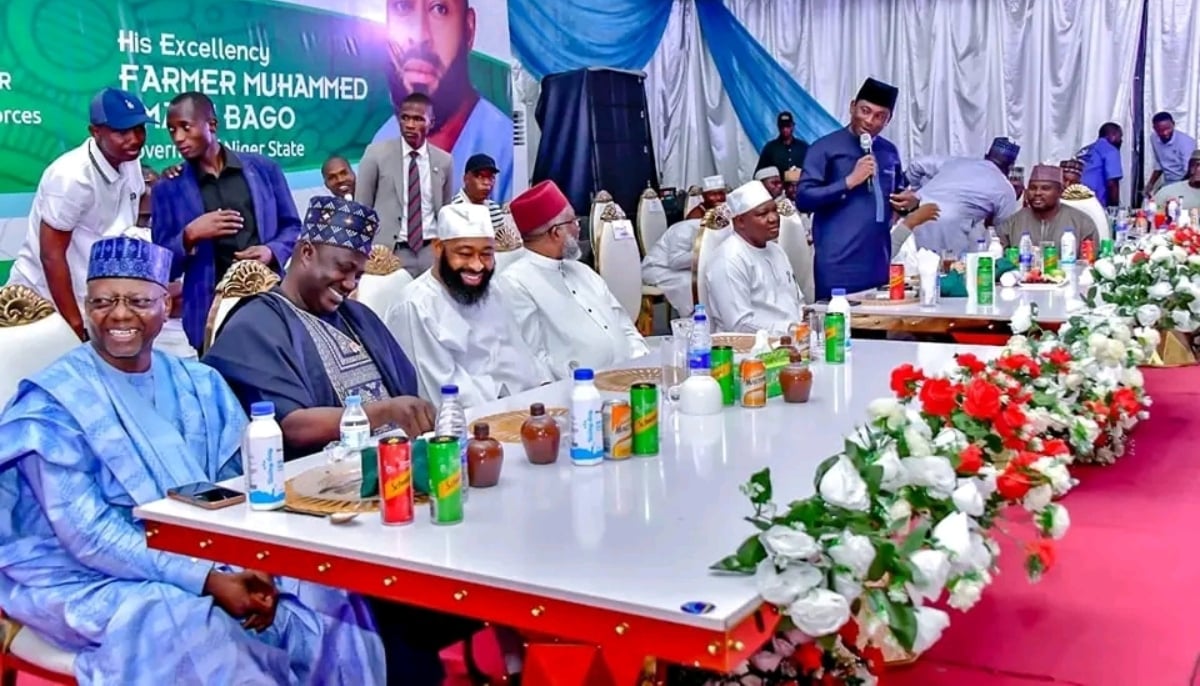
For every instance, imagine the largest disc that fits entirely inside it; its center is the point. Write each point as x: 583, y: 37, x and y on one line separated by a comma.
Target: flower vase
x: 1175, y: 350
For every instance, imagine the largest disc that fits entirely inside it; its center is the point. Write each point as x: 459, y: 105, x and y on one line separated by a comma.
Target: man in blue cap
x: 88, y: 193
x: 113, y: 425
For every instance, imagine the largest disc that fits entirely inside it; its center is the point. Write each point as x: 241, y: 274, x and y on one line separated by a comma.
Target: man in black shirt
x: 785, y: 152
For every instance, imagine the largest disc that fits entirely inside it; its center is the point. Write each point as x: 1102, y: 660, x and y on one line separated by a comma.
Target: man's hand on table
x: 414, y: 415
x: 247, y: 595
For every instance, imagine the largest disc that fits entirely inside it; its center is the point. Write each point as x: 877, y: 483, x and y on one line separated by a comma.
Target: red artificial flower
x: 970, y: 362
x: 1043, y: 550
x: 828, y: 679
x: 849, y: 633
x: 808, y: 657
x: 970, y: 460
x: 905, y: 379
x: 939, y: 397
x: 874, y: 658
x: 1138, y: 257
x: 1012, y: 485
x: 1022, y: 459
x: 1125, y: 401
x: 1059, y: 357
x: 1055, y: 446
x: 982, y: 400
x: 1010, y: 420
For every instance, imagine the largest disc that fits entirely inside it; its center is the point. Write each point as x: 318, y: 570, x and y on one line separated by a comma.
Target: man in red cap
x: 569, y: 317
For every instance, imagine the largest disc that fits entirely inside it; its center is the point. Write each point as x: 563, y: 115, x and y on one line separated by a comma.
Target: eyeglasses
x: 573, y: 221
x: 137, y: 303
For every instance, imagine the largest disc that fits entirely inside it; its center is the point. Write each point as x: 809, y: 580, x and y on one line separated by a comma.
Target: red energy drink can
x: 1089, y: 251
x: 896, y: 282
x: 395, y: 481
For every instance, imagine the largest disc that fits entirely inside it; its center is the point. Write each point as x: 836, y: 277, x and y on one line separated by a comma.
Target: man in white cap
x: 713, y: 193
x: 750, y: 282
x: 454, y: 326
x: 771, y: 180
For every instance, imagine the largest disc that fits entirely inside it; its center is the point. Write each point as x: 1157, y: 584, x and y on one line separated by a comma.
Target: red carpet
x: 1121, y: 606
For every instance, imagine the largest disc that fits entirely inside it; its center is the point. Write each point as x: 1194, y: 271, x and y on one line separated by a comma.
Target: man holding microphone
x: 852, y: 183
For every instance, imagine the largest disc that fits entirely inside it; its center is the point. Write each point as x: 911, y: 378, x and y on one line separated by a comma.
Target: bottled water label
x: 264, y: 470
x: 356, y: 437
x: 587, y: 439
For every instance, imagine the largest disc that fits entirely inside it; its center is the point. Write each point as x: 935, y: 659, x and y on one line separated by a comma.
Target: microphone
x: 864, y: 140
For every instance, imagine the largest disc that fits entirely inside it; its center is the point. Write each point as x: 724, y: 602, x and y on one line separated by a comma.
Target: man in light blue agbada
x: 114, y: 424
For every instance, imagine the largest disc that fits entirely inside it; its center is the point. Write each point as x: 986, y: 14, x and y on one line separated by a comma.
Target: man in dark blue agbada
x: 853, y: 193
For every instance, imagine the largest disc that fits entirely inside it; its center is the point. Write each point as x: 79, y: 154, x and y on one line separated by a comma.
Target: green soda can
x: 985, y: 280
x: 722, y: 370
x: 445, y: 480
x: 835, y: 338
x: 643, y: 399
x: 1106, y: 247
x: 1049, y: 259
x: 1013, y: 255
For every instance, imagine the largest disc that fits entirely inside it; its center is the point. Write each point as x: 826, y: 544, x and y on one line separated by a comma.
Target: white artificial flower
x: 932, y: 568
x: 887, y: 408
x: 789, y: 543
x: 1056, y: 472
x: 1160, y: 291
x: 855, y: 552
x: 899, y: 511
x: 847, y: 585
x: 1148, y: 314
x: 1179, y: 254
x: 950, y: 439
x: 819, y: 612
x: 918, y: 444
x: 931, y: 622
x: 894, y: 475
x: 979, y: 556
x: 1193, y: 260
x: 783, y: 588
x: 1149, y: 337
x: 1133, y: 377
x: 1038, y: 498
x: 1060, y: 522
x: 965, y: 591
x: 1161, y: 254
x: 1022, y: 319
x: 1084, y: 431
x: 842, y: 486
x: 986, y: 476
x: 1073, y: 381
x: 954, y: 534
x: 1182, y: 320
x: 1104, y: 267
x: 967, y: 497
x: 934, y: 473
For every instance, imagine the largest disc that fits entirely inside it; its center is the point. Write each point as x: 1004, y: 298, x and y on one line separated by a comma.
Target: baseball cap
x: 785, y: 119
x: 481, y: 162
x: 118, y: 110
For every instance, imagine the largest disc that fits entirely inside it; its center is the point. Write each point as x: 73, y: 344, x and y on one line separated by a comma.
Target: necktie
x: 414, y: 204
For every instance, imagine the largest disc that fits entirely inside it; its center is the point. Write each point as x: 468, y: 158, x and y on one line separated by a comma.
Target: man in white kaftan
x: 668, y: 264
x: 750, y: 283
x: 115, y: 424
x: 563, y: 309
x: 968, y: 192
x: 454, y: 326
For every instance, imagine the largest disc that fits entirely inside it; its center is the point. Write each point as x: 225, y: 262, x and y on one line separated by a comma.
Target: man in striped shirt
x: 478, y: 181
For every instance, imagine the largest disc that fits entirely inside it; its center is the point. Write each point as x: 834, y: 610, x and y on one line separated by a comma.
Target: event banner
x: 296, y: 81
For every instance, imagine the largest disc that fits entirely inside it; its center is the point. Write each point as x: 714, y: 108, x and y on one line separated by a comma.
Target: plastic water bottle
x: 839, y: 303
x: 262, y: 458
x: 355, y: 428
x: 587, y: 430
x: 1120, y: 234
x: 700, y: 345
x: 452, y: 421
x: 1025, y: 253
x: 995, y: 247
x: 1068, y: 246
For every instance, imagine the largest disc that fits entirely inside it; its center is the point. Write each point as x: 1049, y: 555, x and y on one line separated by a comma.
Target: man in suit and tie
x: 407, y: 180
x: 221, y: 207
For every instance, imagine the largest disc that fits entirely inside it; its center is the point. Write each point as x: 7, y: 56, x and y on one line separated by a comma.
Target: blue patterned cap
x: 1005, y: 149
x: 124, y: 257
x: 340, y: 222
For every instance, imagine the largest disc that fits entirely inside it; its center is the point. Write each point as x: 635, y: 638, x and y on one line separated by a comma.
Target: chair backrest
x: 793, y: 238
x: 693, y: 198
x: 715, y: 227
x: 32, y: 335
x: 1092, y: 208
x: 618, y: 260
x: 244, y: 279
x: 651, y: 219
x: 383, y: 281
x: 599, y: 202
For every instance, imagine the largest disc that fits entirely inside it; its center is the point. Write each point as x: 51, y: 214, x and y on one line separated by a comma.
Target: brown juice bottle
x: 485, y: 456
x: 796, y: 380
x: 540, y: 436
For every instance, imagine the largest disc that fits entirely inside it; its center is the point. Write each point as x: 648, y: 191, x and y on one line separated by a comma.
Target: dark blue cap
x: 118, y: 110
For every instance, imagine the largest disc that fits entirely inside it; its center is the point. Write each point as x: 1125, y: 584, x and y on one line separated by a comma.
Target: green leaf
x: 731, y: 564
x: 808, y: 512
x: 758, y: 523
x: 965, y: 424
x: 822, y: 468
x: 885, y: 557
x: 762, y: 479
x: 751, y: 552
x: 915, y: 540
x: 994, y: 443
x: 902, y: 618
x: 1043, y: 399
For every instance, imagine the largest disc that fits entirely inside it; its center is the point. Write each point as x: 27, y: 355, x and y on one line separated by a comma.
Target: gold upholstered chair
x: 651, y: 225
x: 383, y: 281
x: 244, y: 279
x: 618, y: 260
x: 715, y: 227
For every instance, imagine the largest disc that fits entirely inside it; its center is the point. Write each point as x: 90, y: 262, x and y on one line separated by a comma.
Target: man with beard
x: 713, y: 194
x: 454, y: 326
x: 222, y: 207
x: 407, y: 180
x: 339, y: 177
x: 88, y: 193
x: 429, y: 45
x: 568, y: 316
x: 1046, y: 218
x: 1102, y: 165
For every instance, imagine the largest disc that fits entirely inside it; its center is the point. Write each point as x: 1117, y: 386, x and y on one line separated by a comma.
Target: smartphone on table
x: 206, y: 495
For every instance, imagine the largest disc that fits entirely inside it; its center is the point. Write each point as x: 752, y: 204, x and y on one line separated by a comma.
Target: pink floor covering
x: 1120, y: 608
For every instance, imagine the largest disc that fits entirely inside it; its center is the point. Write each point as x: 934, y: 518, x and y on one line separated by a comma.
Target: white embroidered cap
x: 464, y: 220
x: 746, y: 197
x: 766, y: 173
x: 714, y: 183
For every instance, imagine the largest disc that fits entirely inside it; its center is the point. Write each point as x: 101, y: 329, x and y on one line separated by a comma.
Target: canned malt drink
x: 395, y: 481
x: 896, y: 282
x: 1106, y: 247
x: 835, y: 338
x: 722, y: 371
x: 1049, y: 259
x: 618, y: 430
x: 1013, y: 254
x: 445, y: 480
x: 644, y: 399
x: 754, y: 382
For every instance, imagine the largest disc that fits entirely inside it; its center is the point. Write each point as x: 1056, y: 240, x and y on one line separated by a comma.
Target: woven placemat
x: 875, y: 302
x: 740, y: 342
x: 299, y: 493
x: 506, y: 426
x: 620, y: 380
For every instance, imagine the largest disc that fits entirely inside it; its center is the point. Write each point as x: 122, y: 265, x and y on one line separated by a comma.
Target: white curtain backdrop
x: 1045, y: 72
x: 1173, y: 65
